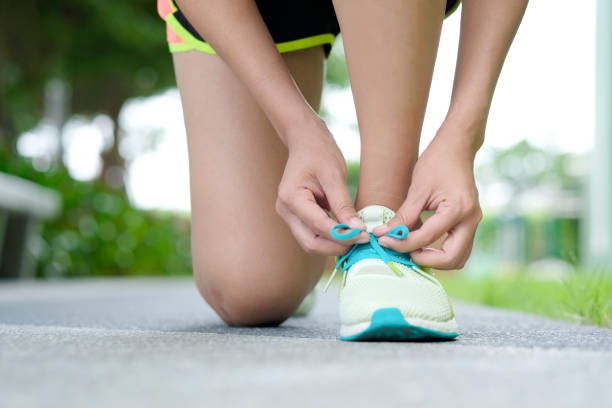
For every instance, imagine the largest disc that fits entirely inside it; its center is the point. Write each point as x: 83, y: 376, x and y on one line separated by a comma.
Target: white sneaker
x: 385, y: 296
x: 307, y: 304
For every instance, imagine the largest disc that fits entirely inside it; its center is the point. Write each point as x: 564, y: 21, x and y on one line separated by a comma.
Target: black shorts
x: 293, y: 24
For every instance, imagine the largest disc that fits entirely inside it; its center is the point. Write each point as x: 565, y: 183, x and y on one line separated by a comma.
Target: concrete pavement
x: 155, y: 343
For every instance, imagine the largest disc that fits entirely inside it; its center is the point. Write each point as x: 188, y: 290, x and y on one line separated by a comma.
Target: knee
x: 243, y: 297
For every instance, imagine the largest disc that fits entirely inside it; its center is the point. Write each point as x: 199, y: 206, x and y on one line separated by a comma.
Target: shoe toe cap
x: 415, y: 296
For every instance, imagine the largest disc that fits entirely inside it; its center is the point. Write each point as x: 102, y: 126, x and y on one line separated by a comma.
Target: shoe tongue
x: 375, y: 215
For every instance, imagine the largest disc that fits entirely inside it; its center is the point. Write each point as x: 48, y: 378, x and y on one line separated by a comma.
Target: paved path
x: 154, y: 343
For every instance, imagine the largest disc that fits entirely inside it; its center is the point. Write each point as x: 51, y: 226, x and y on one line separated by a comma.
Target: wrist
x: 459, y: 140
x: 304, y: 130
x: 471, y: 118
x: 290, y: 118
x: 464, y: 129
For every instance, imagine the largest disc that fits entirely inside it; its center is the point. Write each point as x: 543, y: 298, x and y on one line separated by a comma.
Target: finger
x: 306, y: 209
x: 311, y: 242
x: 341, y: 204
x: 385, y: 228
x: 454, y: 253
x: 408, y: 214
x: 433, y: 228
x: 304, y: 206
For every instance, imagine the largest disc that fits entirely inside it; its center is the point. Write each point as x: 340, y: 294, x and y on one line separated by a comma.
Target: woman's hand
x: 314, y: 183
x: 443, y: 180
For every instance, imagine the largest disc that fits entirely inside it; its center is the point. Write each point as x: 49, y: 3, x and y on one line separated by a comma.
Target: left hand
x: 442, y: 180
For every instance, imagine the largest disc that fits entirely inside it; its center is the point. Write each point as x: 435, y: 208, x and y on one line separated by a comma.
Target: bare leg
x: 391, y: 48
x: 247, y: 264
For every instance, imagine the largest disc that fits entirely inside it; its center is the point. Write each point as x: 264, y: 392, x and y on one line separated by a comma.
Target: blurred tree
x: 105, y: 52
x: 523, y: 167
x: 539, y: 205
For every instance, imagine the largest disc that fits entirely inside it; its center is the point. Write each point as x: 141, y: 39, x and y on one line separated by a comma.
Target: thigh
x: 236, y: 160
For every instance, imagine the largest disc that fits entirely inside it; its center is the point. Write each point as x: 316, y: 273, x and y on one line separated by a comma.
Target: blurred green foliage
x: 545, y: 236
x: 100, y: 233
x: 540, y: 215
x: 581, y: 297
x: 336, y: 69
x: 524, y: 166
x: 105, y: 52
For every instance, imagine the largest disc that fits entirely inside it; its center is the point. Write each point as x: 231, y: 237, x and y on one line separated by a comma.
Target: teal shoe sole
x: 389, y: 325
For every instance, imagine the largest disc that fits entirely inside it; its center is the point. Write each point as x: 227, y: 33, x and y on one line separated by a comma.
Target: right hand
x: 314, y: 183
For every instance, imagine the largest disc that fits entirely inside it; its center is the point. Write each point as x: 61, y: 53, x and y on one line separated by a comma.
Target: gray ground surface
x: 154, y: 343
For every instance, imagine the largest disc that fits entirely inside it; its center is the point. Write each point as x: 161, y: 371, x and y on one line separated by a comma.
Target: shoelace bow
x: 371, y: 249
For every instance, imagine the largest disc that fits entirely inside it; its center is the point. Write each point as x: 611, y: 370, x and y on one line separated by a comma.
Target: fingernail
x: 356, y: 223
x: 383, y: 242
x: 363, y: 239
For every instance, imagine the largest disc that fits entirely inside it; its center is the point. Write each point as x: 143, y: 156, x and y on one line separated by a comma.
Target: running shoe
x: 307, y: 304
x: 384, y: 296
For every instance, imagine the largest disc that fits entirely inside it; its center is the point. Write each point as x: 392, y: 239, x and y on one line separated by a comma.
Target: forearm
x: 487, y: 30
x: 239, y: 35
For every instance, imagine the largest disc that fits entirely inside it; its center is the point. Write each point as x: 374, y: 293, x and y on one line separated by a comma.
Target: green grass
x: 582, y: 297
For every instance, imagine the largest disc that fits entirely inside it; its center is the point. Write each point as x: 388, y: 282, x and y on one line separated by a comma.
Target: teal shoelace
x: 369, y: 250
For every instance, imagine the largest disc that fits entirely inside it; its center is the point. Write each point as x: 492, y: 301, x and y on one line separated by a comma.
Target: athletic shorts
x: 293, y: 24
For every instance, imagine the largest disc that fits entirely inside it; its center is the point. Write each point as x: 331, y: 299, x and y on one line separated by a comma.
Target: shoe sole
x: 389, y: 324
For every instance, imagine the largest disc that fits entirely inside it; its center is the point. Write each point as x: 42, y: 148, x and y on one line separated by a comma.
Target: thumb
x: 341, y: 204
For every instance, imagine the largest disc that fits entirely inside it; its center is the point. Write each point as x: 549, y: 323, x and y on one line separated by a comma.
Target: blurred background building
x: 88, y: 108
